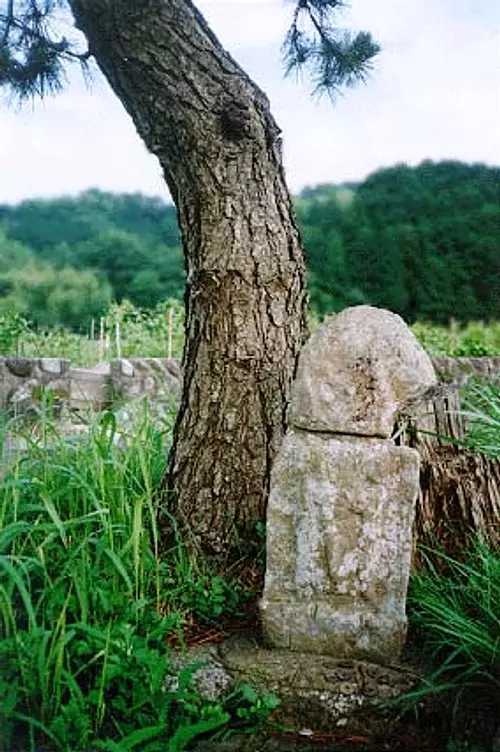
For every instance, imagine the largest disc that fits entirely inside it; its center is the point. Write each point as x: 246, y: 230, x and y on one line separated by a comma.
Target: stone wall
x: 157, y: 378
x: 26, y: 384
x: 458, y: 370
x: 28, y: 380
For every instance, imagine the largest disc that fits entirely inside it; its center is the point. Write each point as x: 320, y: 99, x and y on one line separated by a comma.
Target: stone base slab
x: 320, y: 627
x: 314, y: 691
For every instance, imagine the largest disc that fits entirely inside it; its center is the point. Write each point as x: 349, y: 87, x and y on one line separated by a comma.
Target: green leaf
x: 143, y: 735
x: 186, y: 734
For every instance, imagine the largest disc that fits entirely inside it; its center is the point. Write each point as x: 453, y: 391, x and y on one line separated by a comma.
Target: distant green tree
x: 54, y: 297
x: 117, y: 253
x: 421, y: 241
x: 129, y: 262
x: 123, y: 236
x: 43, y: 224
x: 147, y: 288
x: 322, y: 214
x: 13, y: 254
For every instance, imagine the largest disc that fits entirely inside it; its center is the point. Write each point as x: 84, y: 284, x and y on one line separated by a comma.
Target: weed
x: 472, y: 340
x: 157, y: 332
x: 88, y: 608
x: 13, y: 327
x: 143, y: 333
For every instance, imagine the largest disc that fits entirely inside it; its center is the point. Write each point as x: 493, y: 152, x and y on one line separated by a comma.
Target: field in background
x: 128, y: 331
x: 474, y: 340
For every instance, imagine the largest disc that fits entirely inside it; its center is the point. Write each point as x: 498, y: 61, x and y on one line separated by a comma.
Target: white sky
x: 434, y: 93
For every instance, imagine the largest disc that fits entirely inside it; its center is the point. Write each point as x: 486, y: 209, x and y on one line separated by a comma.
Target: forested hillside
x: 423, y: 241
x: 63, y: 260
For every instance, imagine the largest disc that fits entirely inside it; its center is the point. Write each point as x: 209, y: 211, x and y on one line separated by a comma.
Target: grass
x: 482, y: 411
x: 456, y: 609
x: 88, y: 608
x: 454, y: 612
x: 474, y: 339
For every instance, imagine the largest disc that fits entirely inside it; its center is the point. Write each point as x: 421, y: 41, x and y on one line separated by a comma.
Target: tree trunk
x: 212, y: 131
x: 459, y: 489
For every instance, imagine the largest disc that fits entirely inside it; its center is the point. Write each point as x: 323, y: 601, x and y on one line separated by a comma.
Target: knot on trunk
x: 236, y: 121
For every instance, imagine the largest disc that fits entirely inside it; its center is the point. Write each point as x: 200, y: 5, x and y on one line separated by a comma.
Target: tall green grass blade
x: 82, y: 590
x: 120, y: 568
x: 455, y: 607
x: 54, y: 516
x: 17, y: 580
x: 34, y: 723
x: 11, y: 532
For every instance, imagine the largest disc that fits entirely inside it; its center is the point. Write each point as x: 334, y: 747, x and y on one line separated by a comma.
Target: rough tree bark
x: 459, y: 489
x: 211, y: 129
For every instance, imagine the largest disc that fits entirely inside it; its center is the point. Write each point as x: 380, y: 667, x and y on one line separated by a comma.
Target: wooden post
x: 170, y: 331
x: 101, y: 340
x: 118, y: 341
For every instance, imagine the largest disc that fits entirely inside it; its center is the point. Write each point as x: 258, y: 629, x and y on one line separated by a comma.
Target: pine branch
x: 335, y: 58
x: 32, y: 56
x: 9, y: 18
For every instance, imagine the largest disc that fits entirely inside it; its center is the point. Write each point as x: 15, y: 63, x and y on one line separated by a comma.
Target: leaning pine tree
x: 212, y: 130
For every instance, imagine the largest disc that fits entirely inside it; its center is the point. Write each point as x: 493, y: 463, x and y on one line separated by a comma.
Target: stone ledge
x: 315, y: 691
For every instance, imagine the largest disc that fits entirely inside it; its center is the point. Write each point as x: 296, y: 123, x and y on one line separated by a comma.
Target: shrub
x: 13, y: 327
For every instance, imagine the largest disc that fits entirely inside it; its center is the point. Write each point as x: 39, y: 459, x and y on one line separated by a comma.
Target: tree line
x: 422, y: 241
x: 62, y: 261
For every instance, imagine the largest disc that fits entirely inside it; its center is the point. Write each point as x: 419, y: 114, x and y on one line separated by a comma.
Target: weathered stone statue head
x: 356, y: 372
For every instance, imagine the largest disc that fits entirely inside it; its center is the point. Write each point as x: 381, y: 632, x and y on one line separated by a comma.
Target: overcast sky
x: 434, y: 94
